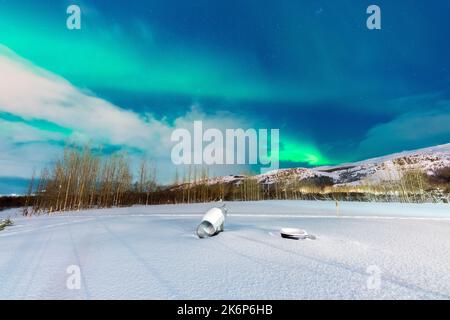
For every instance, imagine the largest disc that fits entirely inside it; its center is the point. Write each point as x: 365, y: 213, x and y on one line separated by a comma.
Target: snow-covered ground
x: 369, y: 251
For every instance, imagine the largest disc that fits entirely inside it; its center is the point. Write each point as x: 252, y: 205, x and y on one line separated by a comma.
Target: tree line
x: 82, y: 179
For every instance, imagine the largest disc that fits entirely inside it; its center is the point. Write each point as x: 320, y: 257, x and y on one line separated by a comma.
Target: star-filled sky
x: 136, y: 70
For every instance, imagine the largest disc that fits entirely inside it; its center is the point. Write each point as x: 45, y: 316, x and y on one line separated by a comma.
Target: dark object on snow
x: 289, y: 237
x: 212, y: 223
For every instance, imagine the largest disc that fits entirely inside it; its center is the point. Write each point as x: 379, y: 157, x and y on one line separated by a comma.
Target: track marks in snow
x: 337, y: 265
x: 153, y: 273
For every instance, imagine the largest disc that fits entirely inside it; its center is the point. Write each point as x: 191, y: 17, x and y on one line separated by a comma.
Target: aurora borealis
x: 337, y: 91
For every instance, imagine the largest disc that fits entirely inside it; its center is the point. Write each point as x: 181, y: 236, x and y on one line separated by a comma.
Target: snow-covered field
x: 370, y: 251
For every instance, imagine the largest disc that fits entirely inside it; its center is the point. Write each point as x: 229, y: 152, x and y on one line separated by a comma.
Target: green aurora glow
x: 302, y: 152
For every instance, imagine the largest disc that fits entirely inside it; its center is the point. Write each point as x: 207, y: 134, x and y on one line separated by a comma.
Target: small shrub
x: 5, y: 223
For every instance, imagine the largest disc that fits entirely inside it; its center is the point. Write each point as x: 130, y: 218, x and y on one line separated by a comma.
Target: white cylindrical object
x: 212, y: 222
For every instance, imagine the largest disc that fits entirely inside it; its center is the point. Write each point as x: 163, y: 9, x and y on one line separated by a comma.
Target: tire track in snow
x: 48, y: 226
x: 19, y: 262
x: 36, y: 266
x: 78, y: 260
x: 172, y: 291
x: 267, y: 264
x: 260, y: 261
x: 390, y: 278
x: 257, y: 215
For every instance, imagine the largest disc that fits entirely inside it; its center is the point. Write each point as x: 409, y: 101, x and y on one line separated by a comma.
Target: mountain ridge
x: 429, y: 160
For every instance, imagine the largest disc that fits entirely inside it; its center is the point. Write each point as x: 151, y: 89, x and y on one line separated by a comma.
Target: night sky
x: 337, y: 91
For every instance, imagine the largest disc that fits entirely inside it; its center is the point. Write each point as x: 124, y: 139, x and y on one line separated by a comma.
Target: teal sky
x: 337, y: 91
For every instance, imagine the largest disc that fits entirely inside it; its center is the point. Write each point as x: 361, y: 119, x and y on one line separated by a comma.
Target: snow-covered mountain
x: 432, y: 161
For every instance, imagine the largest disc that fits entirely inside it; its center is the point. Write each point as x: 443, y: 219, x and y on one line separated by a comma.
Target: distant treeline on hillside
x: 7, y: 202
x: 81, y: 179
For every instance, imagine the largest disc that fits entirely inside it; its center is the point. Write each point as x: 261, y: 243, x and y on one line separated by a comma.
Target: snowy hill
x: 429, y: 160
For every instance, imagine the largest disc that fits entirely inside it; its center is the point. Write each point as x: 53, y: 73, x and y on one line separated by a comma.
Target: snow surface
x: 151, y: 252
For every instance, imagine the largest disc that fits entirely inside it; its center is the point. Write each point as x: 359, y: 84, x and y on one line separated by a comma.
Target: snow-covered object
x: 296, y: 234
x: 212, y: 223
x: 293, y: 233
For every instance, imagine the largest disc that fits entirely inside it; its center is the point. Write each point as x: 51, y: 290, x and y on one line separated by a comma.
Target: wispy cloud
x: 31, y: 94
x: 410, y: 131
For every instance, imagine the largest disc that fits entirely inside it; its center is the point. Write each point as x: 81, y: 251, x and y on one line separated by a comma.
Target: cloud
x: 410, y: 131
x: 31, y: 94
